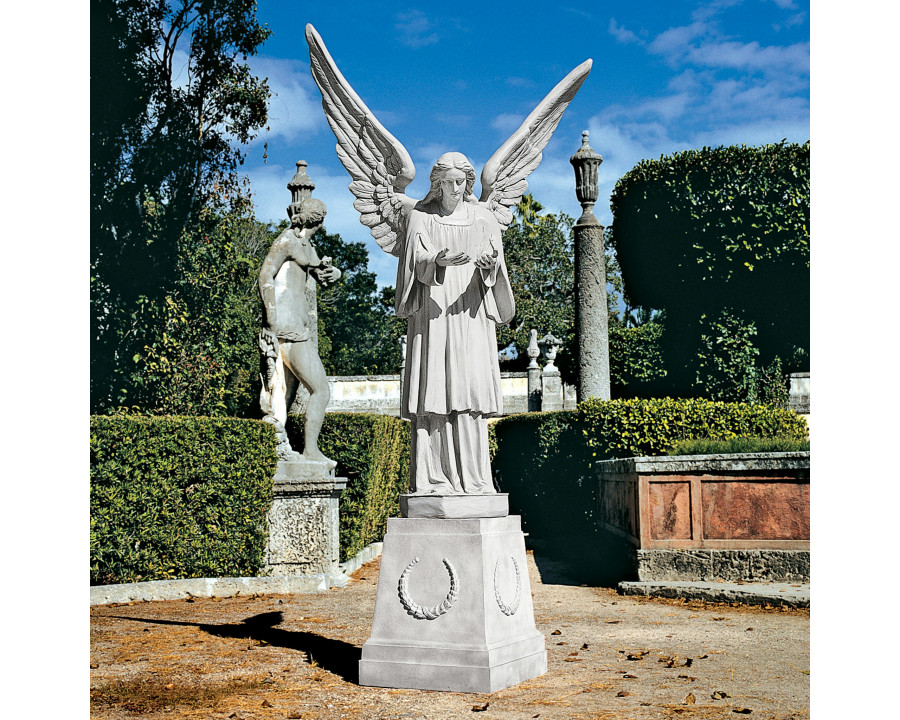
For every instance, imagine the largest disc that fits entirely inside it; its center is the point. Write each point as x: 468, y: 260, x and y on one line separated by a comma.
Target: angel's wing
x: 379, y: 165
x: 503, y: 178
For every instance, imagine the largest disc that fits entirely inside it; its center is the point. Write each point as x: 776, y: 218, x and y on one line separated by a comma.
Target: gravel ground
x: 277, y: 657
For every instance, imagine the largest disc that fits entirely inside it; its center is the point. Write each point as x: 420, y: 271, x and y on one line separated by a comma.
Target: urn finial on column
x: 586, y: 163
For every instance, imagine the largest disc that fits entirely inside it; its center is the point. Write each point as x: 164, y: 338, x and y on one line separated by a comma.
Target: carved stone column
x: 591, y: 320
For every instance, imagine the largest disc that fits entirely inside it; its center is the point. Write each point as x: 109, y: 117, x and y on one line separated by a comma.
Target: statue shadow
x: 335, y: 656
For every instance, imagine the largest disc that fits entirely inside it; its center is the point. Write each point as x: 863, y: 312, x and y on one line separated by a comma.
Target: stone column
x: 304, y: 524
x: 534, y: 374
x: 591, y: 320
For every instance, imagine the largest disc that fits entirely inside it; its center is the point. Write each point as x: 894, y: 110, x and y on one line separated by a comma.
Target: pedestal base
x: 455, y: 506
x: 303, y: 520
x: 453, y: 609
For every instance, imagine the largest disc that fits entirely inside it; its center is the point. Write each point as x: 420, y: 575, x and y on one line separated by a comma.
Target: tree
x: 704, y: 231
x: 540, y: 260
x: 195, y: 352
x: 170, y: 95
x: 359, y: 334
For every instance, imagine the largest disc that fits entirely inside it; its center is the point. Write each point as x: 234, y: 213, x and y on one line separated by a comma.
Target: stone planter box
x: 710, y: 517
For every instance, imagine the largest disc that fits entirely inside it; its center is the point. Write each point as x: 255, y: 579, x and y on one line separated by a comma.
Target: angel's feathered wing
x: 379, y: 165
x: 503, y: 178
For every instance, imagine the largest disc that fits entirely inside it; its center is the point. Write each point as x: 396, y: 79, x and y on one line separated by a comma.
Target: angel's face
x: 453, y: 186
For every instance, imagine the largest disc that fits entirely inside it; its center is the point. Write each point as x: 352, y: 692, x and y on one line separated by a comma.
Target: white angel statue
x: 452, y: 282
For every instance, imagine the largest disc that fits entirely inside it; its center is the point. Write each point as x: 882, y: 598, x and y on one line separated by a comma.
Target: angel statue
x: 452, y: 282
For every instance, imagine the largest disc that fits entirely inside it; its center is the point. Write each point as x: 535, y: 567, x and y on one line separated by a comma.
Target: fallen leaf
x: 742, y: 711
x: 690, y: 699
x: 480, y: 708
x: 612, y: 622
x: 266, y: 703
x: 584, y: 646
x: 573, y: 653
x: 720, y: 695
x: 687, y: 677
x: 573, y: 659
x: 623, y: 693
x: 556, y: 632
x: 703, y: 657
x: 749, y: 629
x: 562, y: 643
x: 94, y: 666
x: 637, y: 655
x: 630, y: 676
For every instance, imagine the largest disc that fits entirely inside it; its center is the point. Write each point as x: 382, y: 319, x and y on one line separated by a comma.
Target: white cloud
x: 621, y: 34
x: 414, y: 29
x: 519, y: 82
x: 507, y: 123
x: 295, y: 106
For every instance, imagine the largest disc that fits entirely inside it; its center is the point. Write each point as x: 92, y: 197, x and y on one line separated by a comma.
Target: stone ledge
x: 707, y: 463
x: 228, y: 587
x: 788, y: 595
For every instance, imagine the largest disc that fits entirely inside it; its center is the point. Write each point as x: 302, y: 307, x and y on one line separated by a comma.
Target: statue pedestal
x: 303, y: 522
x: 454, y: 506
x: 453, y: 609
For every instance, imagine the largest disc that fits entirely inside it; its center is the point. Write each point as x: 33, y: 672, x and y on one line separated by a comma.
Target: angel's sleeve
x: 417, y: 268
x: 500, y: 305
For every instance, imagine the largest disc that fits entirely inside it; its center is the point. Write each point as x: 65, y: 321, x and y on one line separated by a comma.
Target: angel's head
x: 445, y: 163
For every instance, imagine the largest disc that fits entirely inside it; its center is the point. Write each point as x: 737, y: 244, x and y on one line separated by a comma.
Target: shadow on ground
x: 335, y: 656
x: 585, y: 557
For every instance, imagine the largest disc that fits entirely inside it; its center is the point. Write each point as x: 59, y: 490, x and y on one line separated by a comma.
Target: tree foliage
x: 540, y: 257
x: 359, y: 334
x: 706, y: 230
x: 193, y: 351
x: 171, y: 94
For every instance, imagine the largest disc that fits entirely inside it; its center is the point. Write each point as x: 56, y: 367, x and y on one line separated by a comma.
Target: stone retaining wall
x: 711, y: 517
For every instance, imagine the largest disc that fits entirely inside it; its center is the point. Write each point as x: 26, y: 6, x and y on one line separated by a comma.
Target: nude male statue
x: 288, y: 328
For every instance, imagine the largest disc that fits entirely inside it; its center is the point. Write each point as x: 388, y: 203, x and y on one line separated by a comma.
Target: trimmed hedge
x: 372, y: 452
x: 739, y: 445
x: 545, y: 460
x: 179, y: 497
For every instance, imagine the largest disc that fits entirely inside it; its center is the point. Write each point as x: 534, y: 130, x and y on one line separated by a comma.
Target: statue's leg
x: 433, y: 457
x: 306, y: 365
x: 474, y: 461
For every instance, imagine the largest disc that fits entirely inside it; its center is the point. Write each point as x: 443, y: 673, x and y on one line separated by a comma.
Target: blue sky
x: 667, y: 76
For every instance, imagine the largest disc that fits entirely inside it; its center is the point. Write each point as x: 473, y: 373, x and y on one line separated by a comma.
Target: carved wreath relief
x: 416, y: 610
x: 514, y: 605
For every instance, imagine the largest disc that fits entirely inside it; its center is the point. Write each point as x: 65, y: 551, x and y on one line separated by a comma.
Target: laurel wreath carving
x: 416, y: 610
x: 514, y: 605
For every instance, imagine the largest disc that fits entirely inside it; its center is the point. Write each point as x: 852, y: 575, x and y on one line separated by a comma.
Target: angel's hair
x: 451, y: 161
x: 311, y: 211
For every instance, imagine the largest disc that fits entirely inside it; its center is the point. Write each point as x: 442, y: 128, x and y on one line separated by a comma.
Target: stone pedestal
x: 453, y: 610
x: 304, y: 521
x: 551, y: 391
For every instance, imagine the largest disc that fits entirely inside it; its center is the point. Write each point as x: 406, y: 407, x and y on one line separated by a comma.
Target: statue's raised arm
x: 503, y: 178
x: 380, y: 166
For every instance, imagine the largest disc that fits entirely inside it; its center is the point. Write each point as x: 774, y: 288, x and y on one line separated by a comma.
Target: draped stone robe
x: 452, y: 379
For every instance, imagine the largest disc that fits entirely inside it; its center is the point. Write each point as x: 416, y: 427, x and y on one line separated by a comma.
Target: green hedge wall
x: 179, y: 497
x: 544, y: 460
x: 372, y: 452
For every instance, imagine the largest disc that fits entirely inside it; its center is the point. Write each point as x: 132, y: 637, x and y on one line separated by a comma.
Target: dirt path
x: 277, y: 657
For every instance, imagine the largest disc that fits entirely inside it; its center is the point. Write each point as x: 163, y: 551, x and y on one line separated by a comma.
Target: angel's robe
x: 452, y: 375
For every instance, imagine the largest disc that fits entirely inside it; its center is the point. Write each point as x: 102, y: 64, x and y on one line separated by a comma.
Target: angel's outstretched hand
x: 486, y: 261
x: 446, y: 258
